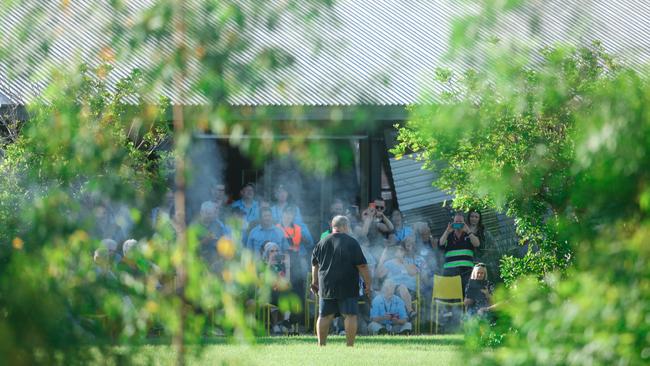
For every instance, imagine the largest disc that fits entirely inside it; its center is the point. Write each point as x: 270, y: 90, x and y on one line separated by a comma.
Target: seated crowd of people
x: 402, y: 258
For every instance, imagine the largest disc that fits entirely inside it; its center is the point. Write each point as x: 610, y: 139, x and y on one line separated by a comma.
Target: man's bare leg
x: 406, y: 296
x: 323, y: 327
x: 350, y: 322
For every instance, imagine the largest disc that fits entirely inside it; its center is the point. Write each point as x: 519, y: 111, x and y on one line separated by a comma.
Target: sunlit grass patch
x: 269, y: 351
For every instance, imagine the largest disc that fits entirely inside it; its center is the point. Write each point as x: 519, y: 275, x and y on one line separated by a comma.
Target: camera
x: 457, y: 225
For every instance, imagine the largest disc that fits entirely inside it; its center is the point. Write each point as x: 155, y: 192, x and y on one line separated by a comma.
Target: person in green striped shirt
x: 458, y: 243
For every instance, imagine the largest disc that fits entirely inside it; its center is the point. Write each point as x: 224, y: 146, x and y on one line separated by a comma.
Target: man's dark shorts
x: 349, y: 306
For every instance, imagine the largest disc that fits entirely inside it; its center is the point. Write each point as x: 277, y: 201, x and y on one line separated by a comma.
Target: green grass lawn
x: 378, y: 350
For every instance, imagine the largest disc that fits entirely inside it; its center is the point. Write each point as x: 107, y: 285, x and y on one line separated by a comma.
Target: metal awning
x: 413, y: 185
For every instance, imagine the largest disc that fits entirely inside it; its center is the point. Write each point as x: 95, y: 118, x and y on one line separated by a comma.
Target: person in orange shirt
x: 300, y: 244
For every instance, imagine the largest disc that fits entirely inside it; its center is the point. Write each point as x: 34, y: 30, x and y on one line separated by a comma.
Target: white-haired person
x: 103, y: 264
x: 388, y: 312
x: 211, y: 229
x: 278, y: 263
x: 133, y: 260
x: 478, y: 293
x: 114, y: 255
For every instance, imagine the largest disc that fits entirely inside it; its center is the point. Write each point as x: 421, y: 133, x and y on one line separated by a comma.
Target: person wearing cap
x: 247, y: 203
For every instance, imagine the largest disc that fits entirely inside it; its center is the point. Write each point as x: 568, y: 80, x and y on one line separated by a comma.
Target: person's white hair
x: 266, y: 250
x: 100, y: 254
x: 109, y: 244
x: 208, y: 207
x: 340, y: 222
x: 128, y: 246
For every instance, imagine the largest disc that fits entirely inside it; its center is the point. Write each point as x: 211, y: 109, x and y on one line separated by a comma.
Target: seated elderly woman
x: 279, y: 264
x: 114, y: 256
x: 135, y: 263
x: 399, y: 271
x: 102, y: 260
x: 478, y: 293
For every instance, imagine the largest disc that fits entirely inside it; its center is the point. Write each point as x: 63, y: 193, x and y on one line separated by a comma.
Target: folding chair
x: 448, y: 291
x: 266, y: 317
x: 263, y: 312
x: 416, y: 303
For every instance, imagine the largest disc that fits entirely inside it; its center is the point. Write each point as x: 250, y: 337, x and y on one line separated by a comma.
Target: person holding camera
x: 379, y: 225
x: 278, y: 263
x: 388, y: 312
x: 458, y: 243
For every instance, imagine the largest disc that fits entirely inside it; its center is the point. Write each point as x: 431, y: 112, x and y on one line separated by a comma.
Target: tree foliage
x: 91, y: 146
x: 508, y: 144
x: 558, y: 138
x: 83, y: 150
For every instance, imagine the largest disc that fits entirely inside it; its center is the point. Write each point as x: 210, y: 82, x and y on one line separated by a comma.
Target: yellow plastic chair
x: 266, y: 317
x: 448, y: 291
x: 263, y: 312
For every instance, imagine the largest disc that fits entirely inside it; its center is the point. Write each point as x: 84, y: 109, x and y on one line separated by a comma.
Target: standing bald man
x: 337, y: 261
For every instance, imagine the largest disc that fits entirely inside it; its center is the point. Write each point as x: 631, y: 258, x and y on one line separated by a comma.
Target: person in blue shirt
x: 281, y: 201
x: 247, y: 204
x: 211, y: 229
x: 388, y: 312
x: 400, y: 231
x: 398, y: 271
x: 264, y: 232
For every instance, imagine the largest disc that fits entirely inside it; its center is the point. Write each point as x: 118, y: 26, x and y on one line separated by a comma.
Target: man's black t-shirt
x: 337, y: 257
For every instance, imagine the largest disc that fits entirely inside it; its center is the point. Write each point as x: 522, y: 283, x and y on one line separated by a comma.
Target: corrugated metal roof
x: 360, y: 52
x: 413, y: 184
x: 4, y: 100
